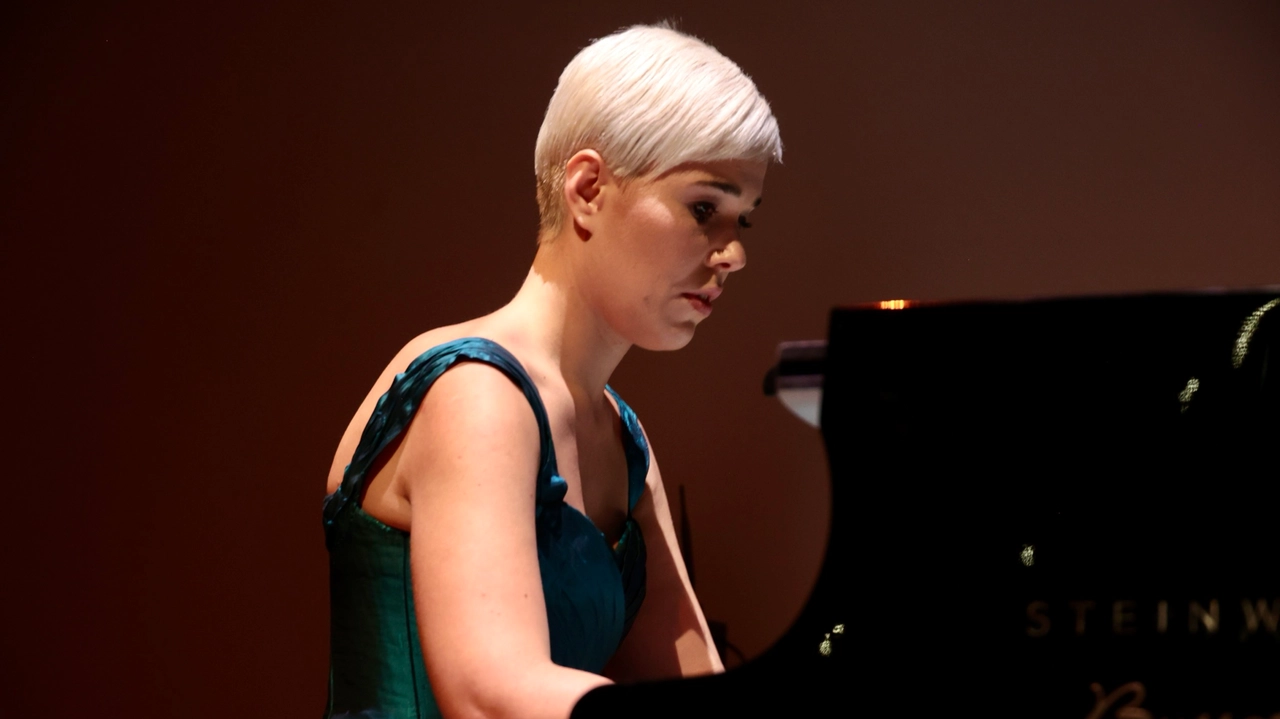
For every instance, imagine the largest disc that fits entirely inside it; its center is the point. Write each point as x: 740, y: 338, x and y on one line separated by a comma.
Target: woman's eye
x: 702, y: 211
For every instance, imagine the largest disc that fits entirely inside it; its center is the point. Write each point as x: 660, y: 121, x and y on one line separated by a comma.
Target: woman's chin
x: 672, y: 338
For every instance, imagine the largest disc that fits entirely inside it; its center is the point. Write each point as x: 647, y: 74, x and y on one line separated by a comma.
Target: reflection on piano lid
x: 1052, y: 508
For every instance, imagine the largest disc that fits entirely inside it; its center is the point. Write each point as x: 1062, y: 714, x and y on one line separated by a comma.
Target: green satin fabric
x: 592, y: 591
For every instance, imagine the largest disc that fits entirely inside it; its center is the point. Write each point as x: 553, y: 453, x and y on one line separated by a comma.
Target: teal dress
x: 592, y: 590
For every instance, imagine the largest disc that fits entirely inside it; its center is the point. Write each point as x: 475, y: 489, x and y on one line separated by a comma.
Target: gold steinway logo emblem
x: 1108, y: 705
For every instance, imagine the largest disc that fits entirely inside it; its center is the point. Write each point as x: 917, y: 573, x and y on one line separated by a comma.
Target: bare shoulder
x: 475, y: 396
x: 475, y: 425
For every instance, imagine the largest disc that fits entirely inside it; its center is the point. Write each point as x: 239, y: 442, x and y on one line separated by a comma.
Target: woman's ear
x: 584, y: 177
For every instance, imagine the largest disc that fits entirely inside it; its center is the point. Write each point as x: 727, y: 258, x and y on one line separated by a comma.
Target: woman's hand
x: 468, y: 465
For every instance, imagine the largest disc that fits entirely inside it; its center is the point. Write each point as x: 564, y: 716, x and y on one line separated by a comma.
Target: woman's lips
x: 700, y: 302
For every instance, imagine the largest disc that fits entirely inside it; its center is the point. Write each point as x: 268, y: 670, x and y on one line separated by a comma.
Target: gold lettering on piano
x: 1123, y: 616
x: 1260, y: 613
x: 1081, y: 609
x: 1036, y: 613
x: 1129, y: 617
x: 1196, y: 616
x: 1028, y: 555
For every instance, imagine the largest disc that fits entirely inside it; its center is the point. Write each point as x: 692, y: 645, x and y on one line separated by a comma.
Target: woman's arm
x: 468, y: 465
x: 670, y: 637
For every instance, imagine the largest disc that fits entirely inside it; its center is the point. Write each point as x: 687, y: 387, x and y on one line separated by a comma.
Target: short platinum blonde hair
x: 649, y: 98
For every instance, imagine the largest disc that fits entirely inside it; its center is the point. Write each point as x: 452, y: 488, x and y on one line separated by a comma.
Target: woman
x: 502, y: 544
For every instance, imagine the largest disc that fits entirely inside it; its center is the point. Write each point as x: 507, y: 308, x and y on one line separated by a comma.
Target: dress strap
x: 637, y: 451
x: 396, y: 408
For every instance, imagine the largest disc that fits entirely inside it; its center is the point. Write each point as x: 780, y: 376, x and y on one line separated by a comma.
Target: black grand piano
x: 1055, y: 508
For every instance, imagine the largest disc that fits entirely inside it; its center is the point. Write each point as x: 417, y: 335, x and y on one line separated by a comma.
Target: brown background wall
x: 219, y: 222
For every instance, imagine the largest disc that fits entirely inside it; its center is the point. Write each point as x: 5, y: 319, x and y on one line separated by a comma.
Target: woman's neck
x: 552, y: 315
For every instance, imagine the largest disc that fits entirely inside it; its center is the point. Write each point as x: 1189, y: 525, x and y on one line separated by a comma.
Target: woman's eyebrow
x: 727, y: 187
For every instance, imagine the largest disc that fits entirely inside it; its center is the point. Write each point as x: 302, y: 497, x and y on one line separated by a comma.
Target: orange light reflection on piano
x: 894, y: 304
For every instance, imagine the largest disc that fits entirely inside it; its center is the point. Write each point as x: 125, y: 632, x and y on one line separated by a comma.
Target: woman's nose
x: 730, y: 258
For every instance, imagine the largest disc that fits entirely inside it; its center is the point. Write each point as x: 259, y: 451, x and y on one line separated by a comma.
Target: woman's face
x: 666, y: 244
